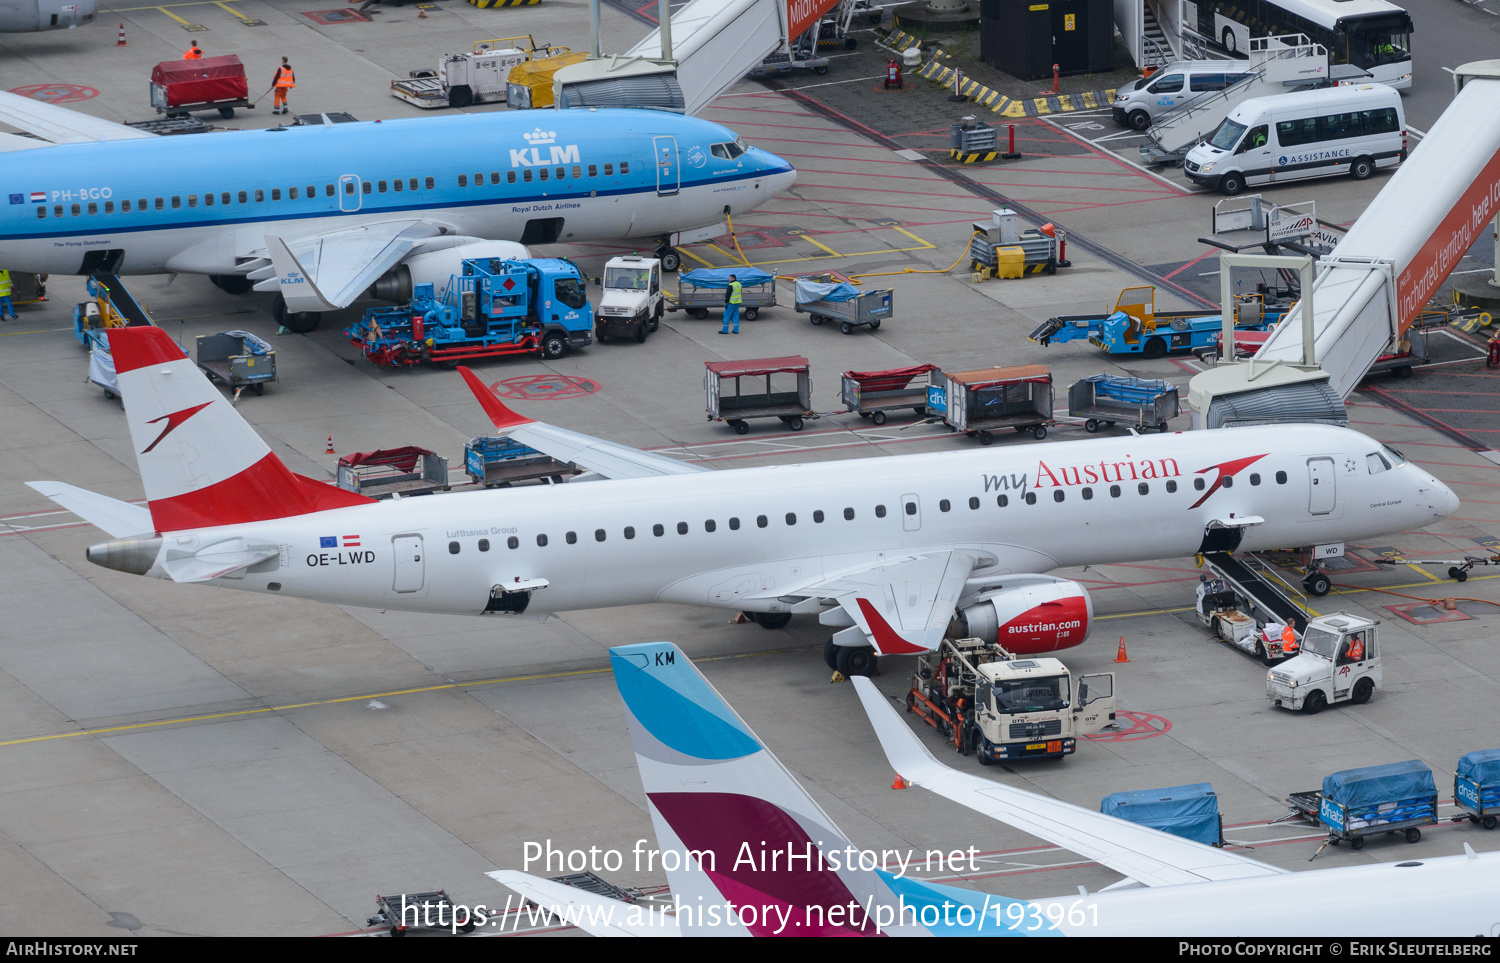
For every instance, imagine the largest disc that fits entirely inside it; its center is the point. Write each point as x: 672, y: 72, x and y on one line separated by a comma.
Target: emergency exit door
x: 410, y: 569
x: 668, y: 176
x: 1323, y: 494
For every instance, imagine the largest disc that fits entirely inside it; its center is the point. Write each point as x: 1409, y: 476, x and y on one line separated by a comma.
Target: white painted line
x: 911, y: 155
x: 831, y: 83
x: 1488, y: 270
x: 1124, y: 160
x: 1123, y: 133
x: 1493, y: 456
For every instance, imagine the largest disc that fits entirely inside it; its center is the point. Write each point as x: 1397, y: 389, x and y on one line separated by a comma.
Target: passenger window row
x: 541, y: 173
x: 944, y: 505
x: 225, y: 198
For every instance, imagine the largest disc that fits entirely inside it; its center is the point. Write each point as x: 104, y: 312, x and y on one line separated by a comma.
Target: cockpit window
x: 1392, y: 455
x: 728, y: 151
x: 1376, y: 463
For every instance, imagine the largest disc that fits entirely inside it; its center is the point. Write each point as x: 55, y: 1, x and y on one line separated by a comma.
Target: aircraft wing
x: 59, y: 124
x: 1147, y: 855
x: 595, y: 915
x: 902, y: 604
x: 325, y: 272
x: 606, y: 458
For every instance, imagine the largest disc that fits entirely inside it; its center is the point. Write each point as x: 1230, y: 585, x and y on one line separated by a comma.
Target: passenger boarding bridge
x: 1375, y: 283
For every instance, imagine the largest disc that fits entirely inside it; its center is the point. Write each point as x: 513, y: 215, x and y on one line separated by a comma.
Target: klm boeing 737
x: 323, y: 214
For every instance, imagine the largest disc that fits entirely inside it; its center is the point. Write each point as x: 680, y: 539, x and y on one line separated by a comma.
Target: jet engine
x: 1026, y: 614
x: 436, y: 261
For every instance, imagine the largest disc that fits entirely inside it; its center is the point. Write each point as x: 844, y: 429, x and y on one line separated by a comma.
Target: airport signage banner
x: 803, y: 15
x: 1468, y: 218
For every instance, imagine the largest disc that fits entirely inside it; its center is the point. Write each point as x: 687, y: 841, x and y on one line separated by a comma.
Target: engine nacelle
x: 1032, y: 616
x: 436, y: 261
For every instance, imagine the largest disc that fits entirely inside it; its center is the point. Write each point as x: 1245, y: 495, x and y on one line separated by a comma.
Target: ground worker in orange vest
x: 192, y: 53
x: 283, y: 80
x: 1289, y: 641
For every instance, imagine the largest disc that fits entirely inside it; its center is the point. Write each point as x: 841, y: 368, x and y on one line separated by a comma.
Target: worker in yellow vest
x: 733, y: 298
x: 283, y: 80
x: 6, y: 310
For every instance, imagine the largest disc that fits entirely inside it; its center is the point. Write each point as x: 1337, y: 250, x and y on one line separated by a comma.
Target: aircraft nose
x: 1442, y: 499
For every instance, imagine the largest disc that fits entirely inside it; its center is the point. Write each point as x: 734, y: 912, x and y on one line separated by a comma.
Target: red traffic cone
x: 121, y: 42
x: 1120, y: 655
x: 899, y: 783
x: 421, y: 14
x: 329, y: 450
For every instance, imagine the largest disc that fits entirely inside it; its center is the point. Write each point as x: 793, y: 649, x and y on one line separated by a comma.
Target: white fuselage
x: 713, y: 538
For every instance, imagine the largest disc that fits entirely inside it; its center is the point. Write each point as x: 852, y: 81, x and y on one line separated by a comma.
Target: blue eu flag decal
x: 328, y: 541
x: 18, y: 199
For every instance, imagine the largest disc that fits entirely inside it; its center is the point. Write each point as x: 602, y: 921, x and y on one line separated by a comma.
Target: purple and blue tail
x: 746, y: 850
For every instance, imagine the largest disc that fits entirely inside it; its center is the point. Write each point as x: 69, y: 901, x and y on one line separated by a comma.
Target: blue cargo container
x: 1476, y: 786
x: 1356, y: 803
x: 1191, y: 812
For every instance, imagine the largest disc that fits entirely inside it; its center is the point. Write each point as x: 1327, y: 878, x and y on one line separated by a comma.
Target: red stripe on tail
x: 267, y: 489
x: 138, y: 347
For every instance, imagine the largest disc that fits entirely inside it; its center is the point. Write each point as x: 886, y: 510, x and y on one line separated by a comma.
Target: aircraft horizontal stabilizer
x: 119, y: 519
x: 1149, y: 855
x: 606, y: 458
x: 595, y: 915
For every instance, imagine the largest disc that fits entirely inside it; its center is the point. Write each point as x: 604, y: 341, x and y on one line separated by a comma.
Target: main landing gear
x: 851, y: 660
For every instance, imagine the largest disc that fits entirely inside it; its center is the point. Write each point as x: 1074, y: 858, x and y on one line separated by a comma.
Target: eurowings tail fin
x: 201, y: 463
x: 741, y: 832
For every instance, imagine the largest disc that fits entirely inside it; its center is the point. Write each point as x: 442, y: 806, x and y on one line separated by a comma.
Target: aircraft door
x: 350, y: 197
x: 911, y: 513
x: 410, y: 569
x: 668, y: 175
x: 1321, y: 485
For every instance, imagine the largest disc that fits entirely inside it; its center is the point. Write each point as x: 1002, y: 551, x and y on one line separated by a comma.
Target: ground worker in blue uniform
x: 6, y: 310
x: 733, y: 297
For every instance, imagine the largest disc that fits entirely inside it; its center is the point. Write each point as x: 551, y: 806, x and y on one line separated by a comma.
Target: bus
x: 1372, y: 35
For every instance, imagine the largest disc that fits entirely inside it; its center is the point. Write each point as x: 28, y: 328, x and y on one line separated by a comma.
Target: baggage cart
x: 787, y: 393
x: 411, y: 911
x: 1104, y: 399
x: 209, y: 83
x: 1476, y: 787
x: 500, y: 462
x: 870, y: 394
x: 393, y: 471
x: 239, y: 359
x: 826, y: 299
x: 700, y: 290
x: 1359, y: 803
x: 1191, y: 812
x: 979, y: 403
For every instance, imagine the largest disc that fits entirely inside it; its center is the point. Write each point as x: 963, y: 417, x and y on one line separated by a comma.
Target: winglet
x: 502, y: 416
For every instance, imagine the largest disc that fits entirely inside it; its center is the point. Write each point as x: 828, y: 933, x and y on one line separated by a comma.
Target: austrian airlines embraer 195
x: 888, y: 555
x: 321, y: 214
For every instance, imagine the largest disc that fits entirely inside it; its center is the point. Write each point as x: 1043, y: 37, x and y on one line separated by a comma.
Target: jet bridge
x: 705, y: 48
x: 1277, y: 65
x: 1374, y: 284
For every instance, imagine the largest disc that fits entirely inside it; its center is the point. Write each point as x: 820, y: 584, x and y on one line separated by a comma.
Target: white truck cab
x: 1339, y: 662
x: 1027, y: 708
x: 632, y: 302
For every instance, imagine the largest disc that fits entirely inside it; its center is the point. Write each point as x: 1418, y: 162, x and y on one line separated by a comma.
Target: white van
x: 1338, y: 130
x: 1141, y: 103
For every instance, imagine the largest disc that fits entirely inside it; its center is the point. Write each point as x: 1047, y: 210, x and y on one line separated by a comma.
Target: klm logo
x: 533, y: 157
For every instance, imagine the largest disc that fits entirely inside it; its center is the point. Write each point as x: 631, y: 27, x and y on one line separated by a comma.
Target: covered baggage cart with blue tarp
x: 1476, y: 786
x: 1356, y: 803
x: 699, y: 290
x: 1191, y: 811
x: 827, y: 297
x: 1105, y: 399
x: 496, y: 462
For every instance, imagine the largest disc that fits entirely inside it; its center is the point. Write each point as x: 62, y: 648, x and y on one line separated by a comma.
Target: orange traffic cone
x: 329, y: 450
x: 899, y: 783
x: 121, y: 42
x: 1120, y: 655
x: 421, y: 14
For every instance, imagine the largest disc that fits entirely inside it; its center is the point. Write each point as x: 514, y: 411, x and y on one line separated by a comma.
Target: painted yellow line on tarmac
x: 812, y: 240
x: 234, y: 13
x: 1422, y: 572
x: 173, y: 16
x: 6, y: 334
x: 162, y: 7
x: 355, y: 698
